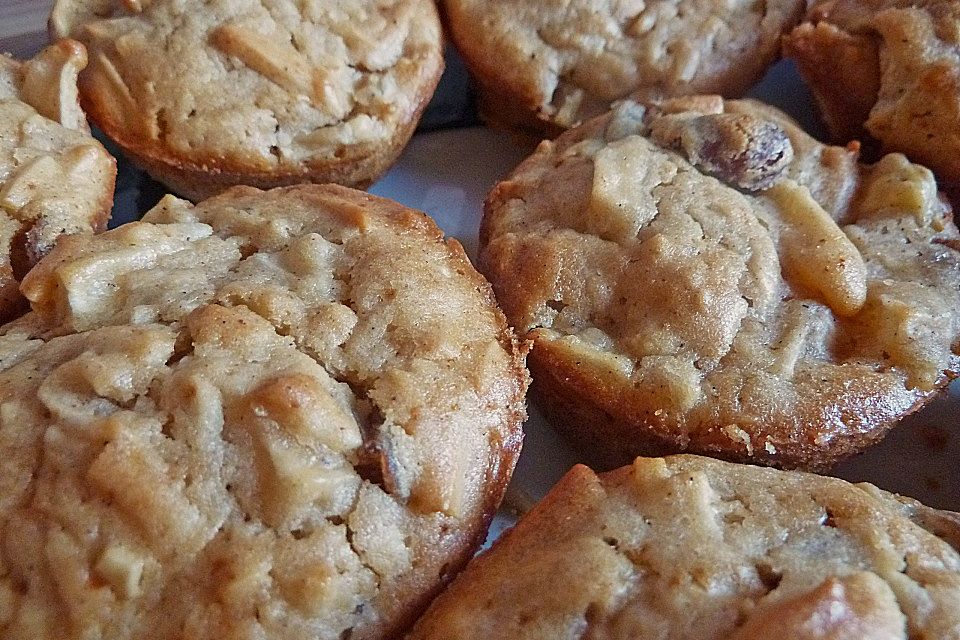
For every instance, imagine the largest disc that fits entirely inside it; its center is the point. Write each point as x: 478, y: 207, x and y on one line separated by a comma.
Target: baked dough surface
x: 888, y: 68
x: 55, y: 178
x: 259, y: 93
x: 690, y: 548
x: 274, y: 414
x: 563, y: 61
x: 702, y: 275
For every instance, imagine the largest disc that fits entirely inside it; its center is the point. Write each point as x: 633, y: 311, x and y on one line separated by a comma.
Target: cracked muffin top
x: 259, y: 93
x: 702, y: 275
x: 559, y: 62
x: 890, y: 67
x: 287, y: 413
x: 55, y: 178
x: 690, y: 548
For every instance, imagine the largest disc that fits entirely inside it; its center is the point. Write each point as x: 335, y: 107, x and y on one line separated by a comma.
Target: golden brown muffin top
x: 285, y: 413
x: 55, y: 178
x: 567, y: 60
x: 727, y: 280
x: 242, y: 85
x: 690, y: 548
x: 905, y: 59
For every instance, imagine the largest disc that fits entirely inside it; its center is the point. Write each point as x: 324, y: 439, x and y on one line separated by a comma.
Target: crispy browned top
x: 281, y: 413
x: 690, y: 548
x: 723, y: 278
x: 242, y: 85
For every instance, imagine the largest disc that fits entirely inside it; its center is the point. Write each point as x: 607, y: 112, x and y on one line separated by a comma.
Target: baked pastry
x: 275, y: 414
x: 545, y: 66
x: 888, y: 68
x: 697, y: 549
x: 55, y: 178
x: 700, y: 275
x: 259, y: 93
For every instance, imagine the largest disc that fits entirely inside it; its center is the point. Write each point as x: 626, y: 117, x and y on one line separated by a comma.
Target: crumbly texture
x: 547, y: 65
x: 702, y: 276
x: 689, y: 548
x: 275, y: 414
x: 258, y: 93
x: 890, y: 68
x: 55, y: 178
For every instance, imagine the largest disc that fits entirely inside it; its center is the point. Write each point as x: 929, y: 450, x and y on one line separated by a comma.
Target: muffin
x: 890, y: 69
x: 700, y: 275
x: 545, y: 66
x: 205, y: 95
x: 275, y: 414
x: 690, y: 548
x: 55, y: 178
